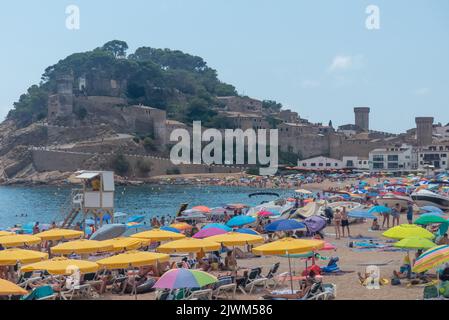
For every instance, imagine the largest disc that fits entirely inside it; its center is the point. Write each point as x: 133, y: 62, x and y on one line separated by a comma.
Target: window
x: 393, y: 158
x: 304, y: 164
x: 378, y: 158
x: 328, y: 164
x: 321, y: 165
x: 313, y: 164
x: 378, y: 165
x: 393, y: 165
x: 336, y: 164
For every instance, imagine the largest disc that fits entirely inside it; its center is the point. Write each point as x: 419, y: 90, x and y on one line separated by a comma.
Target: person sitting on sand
x: 375, y: 225
x: 231, y: 262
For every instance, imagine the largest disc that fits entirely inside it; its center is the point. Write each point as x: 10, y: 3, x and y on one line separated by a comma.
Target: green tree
x: 116, y: 47
x: 120, y: 164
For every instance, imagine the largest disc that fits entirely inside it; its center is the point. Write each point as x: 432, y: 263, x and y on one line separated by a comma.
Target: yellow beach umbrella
x: 62, y: 266
x: 124, y: 244
x: 236, y: 239
x: 11, y: 257
x: 158, y: 235
x: 181, y: 226
x: 189, y: 245
x: 288, y: 246
x: 414, y: 243
x: 60, y: 234
x: 406, y: 231
x: 10, y: 289
x: 19, y: 240
x: 133, y: 259
x: 5, y: 233
x: 81, y: 247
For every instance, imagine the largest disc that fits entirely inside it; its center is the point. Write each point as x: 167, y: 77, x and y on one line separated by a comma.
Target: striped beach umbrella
x: 432, y: 258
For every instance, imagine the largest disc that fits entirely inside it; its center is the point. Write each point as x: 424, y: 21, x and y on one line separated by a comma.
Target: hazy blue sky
x: 316, y: 57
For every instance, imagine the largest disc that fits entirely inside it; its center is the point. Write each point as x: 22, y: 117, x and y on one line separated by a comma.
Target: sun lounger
x: 271, y: 276
x: 80, y: 291
x: 253, y: 279
x: 225, y: 288
x: 200, y: 295
x: 26, y: 279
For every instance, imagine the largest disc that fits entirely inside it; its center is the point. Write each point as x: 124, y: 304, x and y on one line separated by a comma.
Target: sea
x: 44, y: 204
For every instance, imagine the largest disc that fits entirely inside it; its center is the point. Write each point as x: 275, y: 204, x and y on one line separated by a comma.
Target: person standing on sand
x: 386, y: 218
x: 345, y: 222
x: 410, y: 212
x: 396, y: 213
x: 337, y: 223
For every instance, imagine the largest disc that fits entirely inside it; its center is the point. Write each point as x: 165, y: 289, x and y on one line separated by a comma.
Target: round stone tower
x: 362, y: 117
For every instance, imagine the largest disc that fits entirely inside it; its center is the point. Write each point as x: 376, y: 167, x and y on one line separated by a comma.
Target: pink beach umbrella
x: 209, y: 232
x: 266, y: 214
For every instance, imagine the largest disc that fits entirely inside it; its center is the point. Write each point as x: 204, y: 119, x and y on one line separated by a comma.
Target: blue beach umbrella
x: 218, y: 225
x: 170, y: 229
x: 285, y: 225
x: 432, y: 209
x: 247, y: 231
x: 240, y: 221
x: 431, y: 214
x: 379, y: 209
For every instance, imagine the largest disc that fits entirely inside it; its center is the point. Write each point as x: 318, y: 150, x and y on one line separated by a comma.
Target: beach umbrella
x: 218, y: 225
x: 288, y: 246
x: 328, y: 247
x: 166, y: 228
x: 11, y: 257
x: 266, y: 214
x: 8, y: 288
x: 434, y: 213
x: 236, y: 239
x: 59, y: 234
x: 239, y: 221
x: 132, y: 259
x: 247, y: 231
x: 209, y: 232
x: 430, y: 219
x: 181, y: 226
x: 202, y: 209
x: 184, y: 278
x: 137, y: 219
x: 81, y: 247
x: 123, y: 244
x: 379, y: 209
x: 285, y: 225
x: 431, y: 258
x: 189, y: 245
x: 158, y: 235
x: 361, y: 214
x: 5, y: 233
x: 414, y: 243
x: 19, y: 240
x: 432, y: 209
x: 406, y: 231
x: 315, y: 223
x: 62, y: 266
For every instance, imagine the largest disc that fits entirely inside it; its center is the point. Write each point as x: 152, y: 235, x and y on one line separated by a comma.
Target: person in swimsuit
x: 337, y: 224
x: 345, y: 222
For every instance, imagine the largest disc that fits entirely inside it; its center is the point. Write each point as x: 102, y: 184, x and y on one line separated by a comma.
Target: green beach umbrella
x: 415, y: 243
x: 430, y: 220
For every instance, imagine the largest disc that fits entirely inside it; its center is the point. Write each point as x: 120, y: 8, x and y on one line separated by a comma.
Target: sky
x: 316, y: 57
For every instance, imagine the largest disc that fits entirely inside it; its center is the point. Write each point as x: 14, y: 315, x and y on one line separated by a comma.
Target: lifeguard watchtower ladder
x: 94, y: 200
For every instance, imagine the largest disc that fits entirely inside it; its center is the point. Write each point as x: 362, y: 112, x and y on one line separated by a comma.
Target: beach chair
x: 252, y: 280
x: 225, y: 288
x: 325, y: 292
x: 271, y: 276
x: 200, y: 295
x: 41, y: 293
x: 26, y: 279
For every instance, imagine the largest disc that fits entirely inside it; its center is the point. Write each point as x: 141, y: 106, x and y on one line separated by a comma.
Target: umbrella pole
x: 290, y: 268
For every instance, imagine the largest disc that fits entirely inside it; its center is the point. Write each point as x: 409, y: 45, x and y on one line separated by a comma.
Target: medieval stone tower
x: 362, y: 117
x: 60, y: 105
x: 424, y: 130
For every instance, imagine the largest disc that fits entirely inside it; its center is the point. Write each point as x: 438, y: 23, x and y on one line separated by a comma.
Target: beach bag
x: 430, y: 292
x: 395, y: 282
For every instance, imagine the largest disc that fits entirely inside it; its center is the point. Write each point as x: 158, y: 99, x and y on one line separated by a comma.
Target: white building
x: 357, y: 163
x: 393, y: 159
x: 436, y: 156
x: 320, y: 163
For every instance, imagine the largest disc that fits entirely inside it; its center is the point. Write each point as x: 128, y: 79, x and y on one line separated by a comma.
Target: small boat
x: 429, y: 198
x: 391, y: 199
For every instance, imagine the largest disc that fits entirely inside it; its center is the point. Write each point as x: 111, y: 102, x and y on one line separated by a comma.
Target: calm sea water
x: 45, y: 204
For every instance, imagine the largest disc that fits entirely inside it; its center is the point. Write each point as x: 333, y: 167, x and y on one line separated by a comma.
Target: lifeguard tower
x: 95, y: 199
